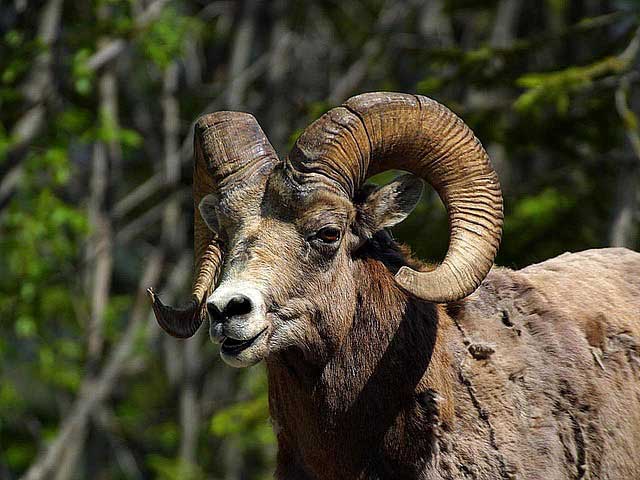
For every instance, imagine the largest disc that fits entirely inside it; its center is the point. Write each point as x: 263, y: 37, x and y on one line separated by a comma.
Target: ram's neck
x: 391, y: 374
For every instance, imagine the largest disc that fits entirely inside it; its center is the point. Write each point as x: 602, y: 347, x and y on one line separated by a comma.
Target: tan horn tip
x: 177, y: 322
x: 435, y: 286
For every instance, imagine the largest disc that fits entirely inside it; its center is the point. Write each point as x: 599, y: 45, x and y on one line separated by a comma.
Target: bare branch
x: 140, y: 224
x: 69, y: 461
x: 138, y: 195
x: 108, y: 422
x: 8, y: 184
x: 630, y: 53
x: 189, y: 406
x: 110, y: 50
x: 106, y: 158
x: 279, y: 65
x: 105, y: 54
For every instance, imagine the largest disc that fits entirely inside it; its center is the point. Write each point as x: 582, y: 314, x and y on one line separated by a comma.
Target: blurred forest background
x: 97, y: 102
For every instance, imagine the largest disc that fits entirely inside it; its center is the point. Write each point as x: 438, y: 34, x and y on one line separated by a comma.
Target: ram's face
x: 288, y: 277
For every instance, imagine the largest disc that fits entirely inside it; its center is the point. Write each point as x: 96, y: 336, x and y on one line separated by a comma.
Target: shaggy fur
x: 534, y: 376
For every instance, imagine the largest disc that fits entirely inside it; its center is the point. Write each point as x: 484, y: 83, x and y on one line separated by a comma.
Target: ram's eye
x: 328, y: 234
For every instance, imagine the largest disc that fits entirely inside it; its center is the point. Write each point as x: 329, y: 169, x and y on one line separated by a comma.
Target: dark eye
x: 328, y: 234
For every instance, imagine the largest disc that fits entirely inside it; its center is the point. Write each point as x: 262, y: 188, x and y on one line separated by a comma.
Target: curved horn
x: 374, y: 132
x: 230, y: 151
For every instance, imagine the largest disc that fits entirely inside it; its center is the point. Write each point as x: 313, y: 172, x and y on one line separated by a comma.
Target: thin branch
x: 279, y: 66
x: 9, y: 183
x: 629, y: 119
x: 173, y: 233
x: 105, y: 54
x: 630, y: 53
x: 139, y: 225
x: 38, y: 84
x: 99, y: 245
x: 138, y: 195
x: 108, y: 422
x: 65, y: 469
x: 110, y: 50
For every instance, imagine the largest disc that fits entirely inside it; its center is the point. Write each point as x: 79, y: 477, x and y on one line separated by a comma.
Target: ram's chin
x: 240, y: 356
x: 242, y: 360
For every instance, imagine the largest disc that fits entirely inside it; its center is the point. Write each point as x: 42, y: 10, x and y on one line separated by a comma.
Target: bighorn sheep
x: 381, y: 367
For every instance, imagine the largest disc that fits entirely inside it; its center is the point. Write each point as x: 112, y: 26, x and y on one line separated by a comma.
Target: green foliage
x: 40, y: 242
x: 108, y: 132
x: 556, y: 87
x: 174, y: 469
x: 18, y: 455
x: 16, y: 52
x: 429, y: 85
x: 246, y: 421
x: 83, y: 76
x: 164, y: 41
x: 538, y: 211
x: 58, y: 369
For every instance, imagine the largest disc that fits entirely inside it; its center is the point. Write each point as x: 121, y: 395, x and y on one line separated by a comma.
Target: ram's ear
x: 390, y: 204
x: 208, y: 213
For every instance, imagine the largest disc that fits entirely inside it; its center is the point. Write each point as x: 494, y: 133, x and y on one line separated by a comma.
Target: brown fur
x: 536, y: 375
x: 405, y: 397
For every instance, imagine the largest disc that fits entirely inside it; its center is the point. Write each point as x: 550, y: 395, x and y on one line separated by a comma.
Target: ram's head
x: 295, y: 235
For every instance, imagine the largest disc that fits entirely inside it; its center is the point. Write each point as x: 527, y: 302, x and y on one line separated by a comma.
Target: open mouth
x: 232, y: 346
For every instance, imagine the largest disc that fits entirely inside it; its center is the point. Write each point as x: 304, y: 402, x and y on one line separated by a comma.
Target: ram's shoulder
x: 577, y: 301
x: 604, y: 264
x: 602, y: 284
x: 553, y: 348
x: 605, y: 279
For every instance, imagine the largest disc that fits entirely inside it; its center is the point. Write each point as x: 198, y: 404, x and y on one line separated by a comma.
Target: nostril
x: 214, y: 311
x: 238, y: 305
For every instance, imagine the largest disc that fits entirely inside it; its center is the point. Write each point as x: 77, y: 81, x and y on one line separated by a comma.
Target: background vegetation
x: 97, y: 101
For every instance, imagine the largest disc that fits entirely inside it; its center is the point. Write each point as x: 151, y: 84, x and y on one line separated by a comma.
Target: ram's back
x: 553, y: 366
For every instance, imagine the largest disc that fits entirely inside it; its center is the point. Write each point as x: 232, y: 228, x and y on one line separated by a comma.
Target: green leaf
x: 174, y: 469
x: 25, y: 327
x: 163, y: 42
x: 557, y: 87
